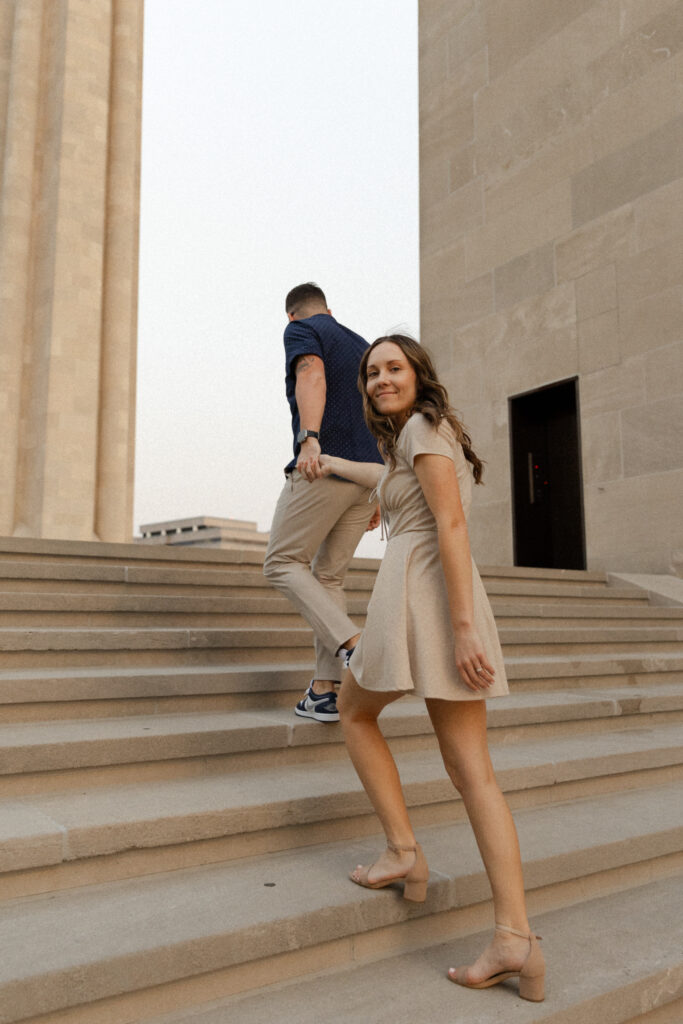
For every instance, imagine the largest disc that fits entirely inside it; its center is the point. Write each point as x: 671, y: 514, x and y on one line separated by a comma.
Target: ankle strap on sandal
x: 400, y: 849
x: 513, y: 931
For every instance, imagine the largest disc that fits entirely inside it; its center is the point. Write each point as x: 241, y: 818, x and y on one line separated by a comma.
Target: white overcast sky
x: 279, y: 145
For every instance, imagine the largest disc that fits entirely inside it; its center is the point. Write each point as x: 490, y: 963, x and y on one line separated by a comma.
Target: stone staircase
x: 174, y: 842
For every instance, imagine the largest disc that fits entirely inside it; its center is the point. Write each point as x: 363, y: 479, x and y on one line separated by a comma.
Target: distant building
x: 204, y: 532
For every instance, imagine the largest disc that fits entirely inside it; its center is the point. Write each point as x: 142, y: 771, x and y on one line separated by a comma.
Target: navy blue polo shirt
x: 343, y: 431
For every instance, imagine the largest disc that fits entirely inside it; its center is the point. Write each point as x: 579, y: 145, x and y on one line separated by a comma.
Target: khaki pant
x: 316, y: 529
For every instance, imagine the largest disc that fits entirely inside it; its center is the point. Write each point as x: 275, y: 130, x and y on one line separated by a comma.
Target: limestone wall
x: 70, y: 89
x: 551, y: 156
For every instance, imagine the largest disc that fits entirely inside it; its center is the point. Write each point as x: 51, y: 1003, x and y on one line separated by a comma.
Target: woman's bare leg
x: 460, y: 728
x: 376, y: 768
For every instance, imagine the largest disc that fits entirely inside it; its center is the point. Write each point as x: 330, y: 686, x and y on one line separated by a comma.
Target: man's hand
x: 375, y: 520
x: 307, y: 459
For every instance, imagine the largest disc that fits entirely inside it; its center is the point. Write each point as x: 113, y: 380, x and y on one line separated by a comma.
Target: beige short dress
x: 408, y: 643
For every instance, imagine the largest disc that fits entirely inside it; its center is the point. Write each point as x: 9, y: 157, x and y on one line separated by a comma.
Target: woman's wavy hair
x: 432, y: 401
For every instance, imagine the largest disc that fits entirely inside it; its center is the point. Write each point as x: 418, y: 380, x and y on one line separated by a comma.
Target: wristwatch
x: 303, y: 434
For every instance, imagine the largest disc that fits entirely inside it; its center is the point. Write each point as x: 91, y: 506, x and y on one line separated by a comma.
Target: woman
x: 430, y: 631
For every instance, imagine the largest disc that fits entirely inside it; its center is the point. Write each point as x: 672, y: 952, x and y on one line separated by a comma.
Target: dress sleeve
x: 300, y: 340
x: 419, y: 437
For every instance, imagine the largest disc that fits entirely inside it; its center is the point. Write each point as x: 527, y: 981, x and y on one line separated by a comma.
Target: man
x: 317, y: 526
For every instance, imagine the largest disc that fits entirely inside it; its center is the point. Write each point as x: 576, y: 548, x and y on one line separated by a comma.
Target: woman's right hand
x: 476, y: 671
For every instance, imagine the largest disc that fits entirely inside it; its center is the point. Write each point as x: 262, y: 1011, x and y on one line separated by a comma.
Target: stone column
x: 70, y: 104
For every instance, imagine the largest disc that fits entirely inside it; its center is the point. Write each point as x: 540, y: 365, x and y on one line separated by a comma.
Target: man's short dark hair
x: 304, y: 295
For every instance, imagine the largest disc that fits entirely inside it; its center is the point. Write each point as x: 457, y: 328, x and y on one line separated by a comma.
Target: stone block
x: 466, y: 39
x: 490, y: 529
x: 516, y: 179
x: 441, y: 277
x: 531, y: 128
x: 439, y: 350
x: 624, y: 175
x: 527, y: 275
x: 465, y: 379
x: 599, y: 341
x: 626, y: 519
x: 442, y: 272
x: 526, y: 226
x: 562, y: 59
x: 433, y: 60
x: 437, y: 72
x: 652, y: 44
x: 442, y: 223
x: 602, y: 241
x: 461, y: 167
x: 485, y: 423
x: 653, y: 270
x: 620, y: 118
x: 664, y: 372
x: 529, y: 345
x: 652, y: 437
x: 540, y: 339
x: 533, y: 122
x: 479, y: 359
x: 470, y: 75
x: 447, y: 112
x: 517, y: 27
x: 653, y: 322
x: 472, y: 301
x: 438, y: 17
x: 596, y: 292
x: 496, y: 455
x: 613, y: 389
x: 601, y: 447
x: 435, y: 159
x: 634, y: 13
x: 659, y: 215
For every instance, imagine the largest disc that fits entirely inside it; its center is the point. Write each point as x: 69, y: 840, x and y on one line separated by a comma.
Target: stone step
x: 110, y: 646
x: 91, y: 610
x: 541, y: 614
x: 93, y: 690
x: 29, y: 550
x: 557, y: 592
x: 51, y: 609
x: 586, y: 947
x: 125, y: 937
x: 95, y: 553
x: 575, y: 637
x: 238, y: 579
x: 63, y: 817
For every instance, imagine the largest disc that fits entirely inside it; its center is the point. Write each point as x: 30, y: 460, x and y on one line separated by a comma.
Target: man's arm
x: 310, y: 393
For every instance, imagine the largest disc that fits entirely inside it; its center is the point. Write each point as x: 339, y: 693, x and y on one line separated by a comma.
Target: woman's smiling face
x: 391, y: 382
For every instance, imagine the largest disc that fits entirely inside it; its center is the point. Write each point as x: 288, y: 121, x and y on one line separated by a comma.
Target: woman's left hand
x: 474, y: 667
x: 315, y: 468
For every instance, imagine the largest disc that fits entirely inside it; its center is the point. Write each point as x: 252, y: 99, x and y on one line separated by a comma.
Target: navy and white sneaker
x: 320, y: 706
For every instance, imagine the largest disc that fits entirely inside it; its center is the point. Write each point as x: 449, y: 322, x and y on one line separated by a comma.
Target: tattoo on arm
x: 306, y: 362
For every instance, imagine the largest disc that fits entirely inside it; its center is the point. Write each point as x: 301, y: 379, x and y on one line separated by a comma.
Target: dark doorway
x: 546, y: 478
